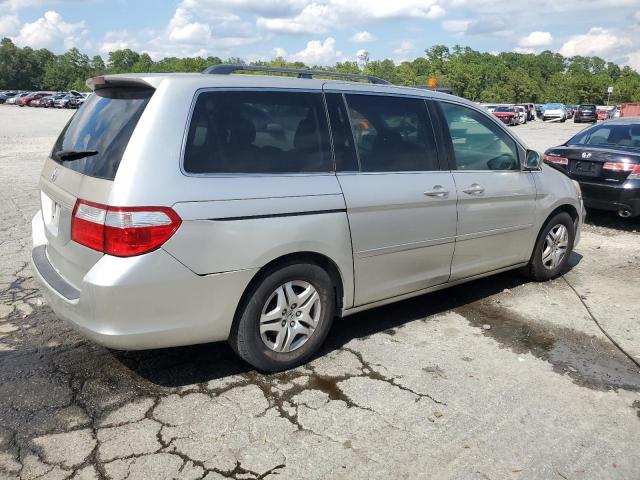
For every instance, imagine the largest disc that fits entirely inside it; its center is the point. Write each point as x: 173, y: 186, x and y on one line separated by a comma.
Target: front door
x: 496, y: 198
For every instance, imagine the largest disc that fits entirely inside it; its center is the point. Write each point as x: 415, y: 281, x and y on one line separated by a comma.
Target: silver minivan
x: 189, y: 208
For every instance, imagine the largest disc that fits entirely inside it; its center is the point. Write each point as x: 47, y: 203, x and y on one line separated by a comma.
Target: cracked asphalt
x: 496, y: 379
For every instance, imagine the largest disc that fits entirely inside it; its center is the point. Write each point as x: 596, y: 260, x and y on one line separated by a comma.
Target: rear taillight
x: 122, y: 231
x: 635, y: 173
x: 556, y: 159
x: 618, y: 166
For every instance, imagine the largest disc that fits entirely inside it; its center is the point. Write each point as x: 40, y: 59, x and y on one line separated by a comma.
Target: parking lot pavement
x: 499, y: 378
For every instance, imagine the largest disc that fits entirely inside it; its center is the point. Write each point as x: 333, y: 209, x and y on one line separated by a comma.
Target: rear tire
x: 277, y: 327
x: 553, y: 248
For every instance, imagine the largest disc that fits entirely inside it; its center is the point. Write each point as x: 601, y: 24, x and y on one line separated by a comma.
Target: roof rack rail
x: 226, y: 69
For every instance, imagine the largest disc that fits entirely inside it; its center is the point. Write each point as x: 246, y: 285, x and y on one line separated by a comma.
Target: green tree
x: 122, y: 61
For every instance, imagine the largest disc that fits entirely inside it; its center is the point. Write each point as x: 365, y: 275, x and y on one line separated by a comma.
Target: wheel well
x: 299, y: 257
x: 570, y: 209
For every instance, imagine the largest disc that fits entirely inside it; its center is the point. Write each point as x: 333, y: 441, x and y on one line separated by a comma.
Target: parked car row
x: 70, y: 99
x: 513, y: 114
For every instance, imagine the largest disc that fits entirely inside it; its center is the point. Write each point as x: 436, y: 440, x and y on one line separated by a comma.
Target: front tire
x: 553, y: 248
x: 285, y: 317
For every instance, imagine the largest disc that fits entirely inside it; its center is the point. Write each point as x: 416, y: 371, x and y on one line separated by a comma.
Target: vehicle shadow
x: 601, y: 218
x: 182, y: 366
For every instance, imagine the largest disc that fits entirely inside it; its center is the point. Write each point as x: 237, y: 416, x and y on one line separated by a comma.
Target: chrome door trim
x: 403, y: 247
x: 497, y: 231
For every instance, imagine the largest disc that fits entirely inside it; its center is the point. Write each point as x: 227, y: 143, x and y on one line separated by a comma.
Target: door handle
x: 438, y: 191
x: 474, y: 189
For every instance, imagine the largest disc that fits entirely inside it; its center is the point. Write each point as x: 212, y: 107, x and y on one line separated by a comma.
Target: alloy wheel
x: 290, y: 316
x: 555, y: 246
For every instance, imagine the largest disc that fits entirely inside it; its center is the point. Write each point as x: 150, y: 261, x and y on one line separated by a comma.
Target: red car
x: 26, y: 100
x: 507, y: 115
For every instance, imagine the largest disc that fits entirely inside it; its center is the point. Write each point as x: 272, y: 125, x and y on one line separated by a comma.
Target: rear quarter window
x: 258, y: 132
x: 104, y: 123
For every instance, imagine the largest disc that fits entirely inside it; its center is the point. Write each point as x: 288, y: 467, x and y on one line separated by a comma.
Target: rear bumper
x: 149, y: 301
x: 583, y: 118
x: 507, y: 120
x: 612, y: 197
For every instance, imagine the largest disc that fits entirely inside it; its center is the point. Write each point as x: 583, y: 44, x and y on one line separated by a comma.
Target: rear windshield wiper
x: 66, y: 155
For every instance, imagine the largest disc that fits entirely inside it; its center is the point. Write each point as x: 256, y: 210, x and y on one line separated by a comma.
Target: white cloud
x: 51, y: 31
x: 536, y: 39
x: 456, y: 26
x: 597, y: 41
x: 633, y: 60
x: 261, y: 7
x: 405, y: 48
x: 362, y: 37
x: 313, y: 19
x: 317, y: 52
x: 321, y: 15
x: 524, y: 50
x: 9, y: 25
x: 183, y: 30
x: 15, y: 5
x: 279, y: 52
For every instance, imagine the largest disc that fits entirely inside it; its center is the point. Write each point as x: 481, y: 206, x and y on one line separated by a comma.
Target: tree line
x: 507, y: 77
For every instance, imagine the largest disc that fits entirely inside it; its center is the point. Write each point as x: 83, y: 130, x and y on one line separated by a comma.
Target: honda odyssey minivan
x: 189, y: 208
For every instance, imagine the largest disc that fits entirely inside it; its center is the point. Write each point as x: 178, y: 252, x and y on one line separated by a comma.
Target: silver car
x: 189, y: 208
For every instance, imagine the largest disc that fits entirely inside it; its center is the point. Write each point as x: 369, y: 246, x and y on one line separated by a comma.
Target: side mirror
x: 533, y: 160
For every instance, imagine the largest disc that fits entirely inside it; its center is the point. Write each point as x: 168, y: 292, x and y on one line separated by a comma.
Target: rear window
x: 587, y: 107
x: 609, y: 136
x: 258, y: 132
x: 103, y: 124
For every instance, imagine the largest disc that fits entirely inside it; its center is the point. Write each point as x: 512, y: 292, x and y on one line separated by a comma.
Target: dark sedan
x: 586, y: 113
x: 605, y: 160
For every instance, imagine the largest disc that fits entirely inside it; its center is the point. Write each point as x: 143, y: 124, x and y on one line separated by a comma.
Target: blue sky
x: 326, y: 31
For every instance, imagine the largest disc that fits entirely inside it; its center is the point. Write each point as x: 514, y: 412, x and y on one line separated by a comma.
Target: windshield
x: 627, y: 136
x: 553, y: 105
x: 104, y: 124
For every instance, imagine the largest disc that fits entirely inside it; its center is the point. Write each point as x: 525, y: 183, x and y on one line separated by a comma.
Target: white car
x: 522, y: 118
x: 12, y: 100
x: 554, y: 111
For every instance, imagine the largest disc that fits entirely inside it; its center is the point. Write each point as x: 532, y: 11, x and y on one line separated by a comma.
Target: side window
x: 343, y: 146
x: 258, y: 132
x: 392, y: 134
x: 478, y: 143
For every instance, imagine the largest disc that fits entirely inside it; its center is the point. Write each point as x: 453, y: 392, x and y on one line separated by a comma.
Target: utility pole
x: 609, y: 92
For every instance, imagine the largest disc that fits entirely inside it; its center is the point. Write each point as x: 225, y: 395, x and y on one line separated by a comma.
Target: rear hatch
x: 587, y: 111
x: 83, y: 164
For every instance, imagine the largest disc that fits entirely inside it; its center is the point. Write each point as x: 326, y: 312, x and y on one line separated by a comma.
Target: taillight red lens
x: 618, y: 166
x: 122, y: 231
x: 87, y: 224
x: 635, y: 173
x: 556, y: 159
